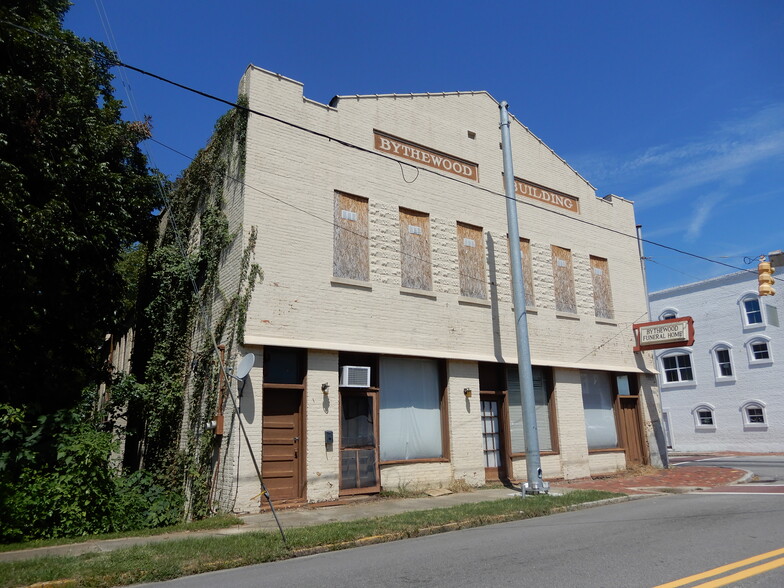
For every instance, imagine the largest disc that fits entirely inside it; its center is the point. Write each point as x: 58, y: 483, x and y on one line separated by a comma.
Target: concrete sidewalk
x: 649, y: 482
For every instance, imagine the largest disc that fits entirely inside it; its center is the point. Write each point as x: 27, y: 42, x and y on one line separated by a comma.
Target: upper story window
x: 751, y: 311
x: 415, y: 270
x: 563, y: 278
x: 602, y: 294
x: 759, y: 350
x: 722, y: 361
x: 677, y: 367
x: 528, y: 272
x: 471, y: 261
x: 668, y: 313
x: 350, y: 257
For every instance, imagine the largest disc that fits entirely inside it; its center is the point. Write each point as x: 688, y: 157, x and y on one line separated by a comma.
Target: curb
x: 456, y: 526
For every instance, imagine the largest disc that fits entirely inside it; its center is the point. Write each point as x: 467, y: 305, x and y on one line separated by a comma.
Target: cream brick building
x: 383, y: 239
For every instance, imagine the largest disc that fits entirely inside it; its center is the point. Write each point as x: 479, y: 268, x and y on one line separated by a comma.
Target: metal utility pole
x: 533, y: 461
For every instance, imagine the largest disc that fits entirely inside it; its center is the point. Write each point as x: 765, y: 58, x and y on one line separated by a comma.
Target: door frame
x: 627, y: 420
x: 504, y: 445
x: 369, y: 393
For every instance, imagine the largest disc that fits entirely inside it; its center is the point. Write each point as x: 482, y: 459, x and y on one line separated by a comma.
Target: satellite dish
x: 245, y: 366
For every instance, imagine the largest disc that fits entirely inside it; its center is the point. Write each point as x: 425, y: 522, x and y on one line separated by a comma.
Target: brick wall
x: 291, y: 179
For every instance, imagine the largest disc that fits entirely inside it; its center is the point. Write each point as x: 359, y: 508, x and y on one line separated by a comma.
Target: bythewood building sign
x: 546, y: 195
x: 429, y: 157
x: 678, y: 332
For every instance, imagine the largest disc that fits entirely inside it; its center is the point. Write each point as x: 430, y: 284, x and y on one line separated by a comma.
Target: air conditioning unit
x: 353, y: 376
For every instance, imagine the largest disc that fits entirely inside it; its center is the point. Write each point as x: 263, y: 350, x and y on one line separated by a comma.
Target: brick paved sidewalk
x: 655, y: 481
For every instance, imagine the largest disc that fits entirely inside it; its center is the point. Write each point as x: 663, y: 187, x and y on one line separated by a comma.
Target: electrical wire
x: 119, y: 63
x: 191, y: 276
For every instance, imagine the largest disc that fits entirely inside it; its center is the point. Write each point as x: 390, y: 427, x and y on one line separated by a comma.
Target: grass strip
x: 194, y: 555
x: 220, y: 521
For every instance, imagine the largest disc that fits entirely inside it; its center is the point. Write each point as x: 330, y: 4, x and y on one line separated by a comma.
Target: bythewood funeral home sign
x: 429, y: 157
x: 546, y: 196
x: 677, y: 332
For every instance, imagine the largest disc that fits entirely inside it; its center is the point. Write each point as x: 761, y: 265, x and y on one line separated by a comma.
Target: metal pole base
x: 535, y: 488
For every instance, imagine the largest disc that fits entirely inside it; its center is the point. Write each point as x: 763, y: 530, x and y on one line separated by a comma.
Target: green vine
x: 173, y: 393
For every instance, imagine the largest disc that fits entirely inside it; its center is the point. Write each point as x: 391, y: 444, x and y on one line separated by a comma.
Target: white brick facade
x: 716, y: 305
x: 291, y: 178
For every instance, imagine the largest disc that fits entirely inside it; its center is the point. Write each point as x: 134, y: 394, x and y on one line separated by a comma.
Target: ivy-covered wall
x: 199, y: 282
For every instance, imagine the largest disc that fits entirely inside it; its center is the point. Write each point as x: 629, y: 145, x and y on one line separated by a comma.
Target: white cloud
x: 722, y: 159
x: 701, y: 214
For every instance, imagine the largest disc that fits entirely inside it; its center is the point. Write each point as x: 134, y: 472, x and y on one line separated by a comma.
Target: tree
x: 75, y: 196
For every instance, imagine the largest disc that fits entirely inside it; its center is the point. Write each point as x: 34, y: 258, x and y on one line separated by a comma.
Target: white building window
x: 752, y: 312
x: 704, y: 417
x: 676, y: 367
x: 668, y: 313
x: 754, y: 416
x: 759, y: 351
x: 722, y: 362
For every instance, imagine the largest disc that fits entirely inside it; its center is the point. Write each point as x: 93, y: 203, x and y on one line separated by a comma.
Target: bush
x: 141, y: 503
x: 80, y: 493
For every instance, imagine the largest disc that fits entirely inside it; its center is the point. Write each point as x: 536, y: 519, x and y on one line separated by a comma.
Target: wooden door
x: 281, y: 444
x: 631, y: 430
x: 493, y: 441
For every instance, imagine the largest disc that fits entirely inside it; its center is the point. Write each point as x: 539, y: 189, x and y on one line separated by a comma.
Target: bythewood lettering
x: 422, y: 155
x: 523, y: 188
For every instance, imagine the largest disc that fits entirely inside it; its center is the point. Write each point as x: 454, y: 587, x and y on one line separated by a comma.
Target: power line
x: 350, y: 145
x: 334, y: 224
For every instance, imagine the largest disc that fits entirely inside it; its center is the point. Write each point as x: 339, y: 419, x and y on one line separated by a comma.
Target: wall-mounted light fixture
x: 325, y: 388
x: 467, y: 392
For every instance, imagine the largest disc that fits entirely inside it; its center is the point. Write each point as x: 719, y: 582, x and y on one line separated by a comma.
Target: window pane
x: 723, y: 359
x: 677, y: 368
x: 541, y: 399
x: 356, y: 426
x: 283, y: 365
x: 760, y: 351
x: 623, y: 385
x: 598, y: 406
x: 410, y: 409
x: 753, y: 312
x: 705, y: 417
x: 755, y: 415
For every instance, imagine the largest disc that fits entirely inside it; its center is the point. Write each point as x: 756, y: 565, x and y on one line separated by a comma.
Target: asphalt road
x: 643, y: 543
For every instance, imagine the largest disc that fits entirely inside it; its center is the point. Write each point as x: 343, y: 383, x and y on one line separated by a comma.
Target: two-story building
x: 384, y: 331
x: 724, y: 392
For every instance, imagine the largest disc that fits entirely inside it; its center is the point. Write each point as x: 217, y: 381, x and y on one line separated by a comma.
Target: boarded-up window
x: 602, y: 295
x: 528, y: 272
x: 471, y: 261
x: 350, y: 248
x: 415, y: 271
x: 563, y: 278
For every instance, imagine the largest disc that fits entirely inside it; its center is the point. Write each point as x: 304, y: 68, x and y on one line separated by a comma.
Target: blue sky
x: 678, y: 106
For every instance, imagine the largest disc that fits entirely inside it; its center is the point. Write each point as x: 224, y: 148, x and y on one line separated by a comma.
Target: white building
x: 384, y: 330
x: 723, y: 393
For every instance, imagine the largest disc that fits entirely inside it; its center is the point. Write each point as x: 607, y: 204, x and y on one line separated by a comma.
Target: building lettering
x: 523, y: 188
x: 430, y: 158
